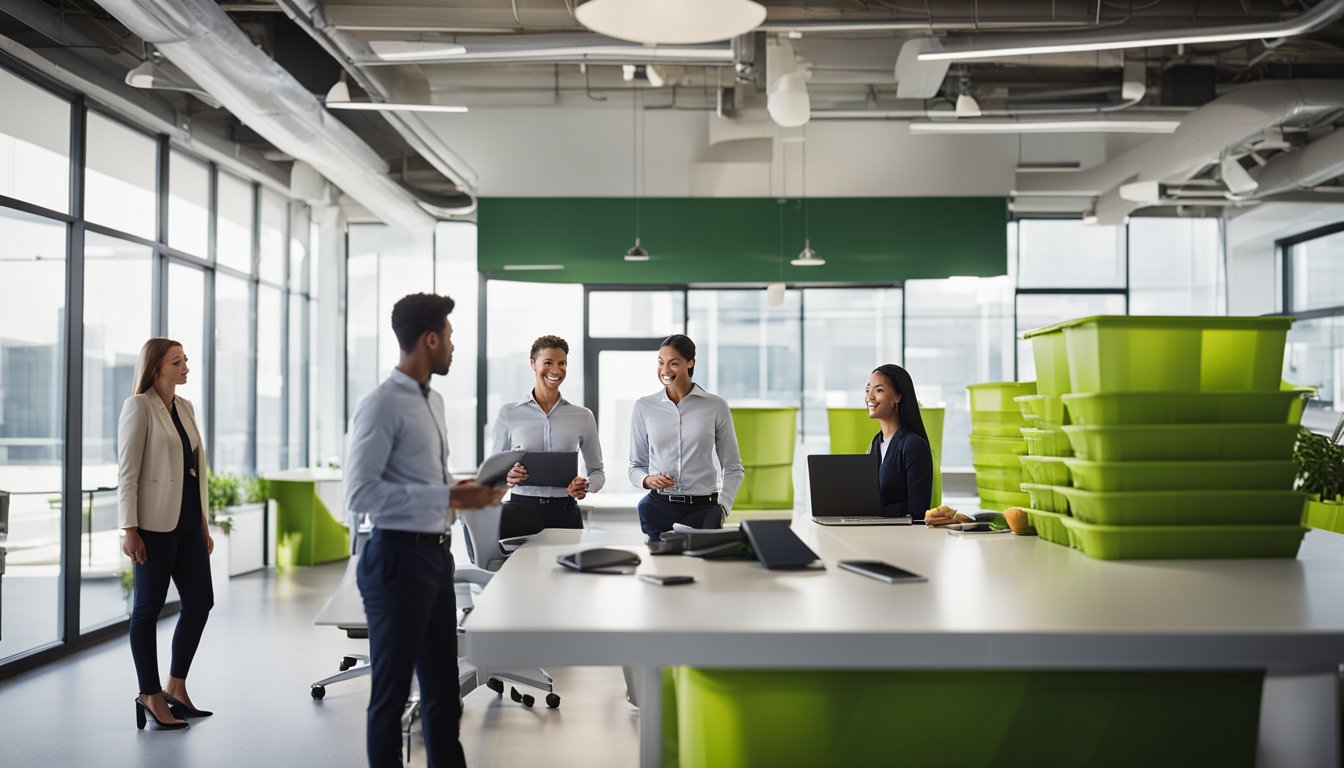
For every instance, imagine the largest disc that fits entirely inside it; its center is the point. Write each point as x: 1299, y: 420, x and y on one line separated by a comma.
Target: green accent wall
x: 743, y: 240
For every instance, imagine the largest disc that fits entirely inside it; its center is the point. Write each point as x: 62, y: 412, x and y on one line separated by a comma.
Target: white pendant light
x: 788, y: 102
x: 967, y: 106
x: 671, y: 21
x: 637, y: 252
x: 806, y: 257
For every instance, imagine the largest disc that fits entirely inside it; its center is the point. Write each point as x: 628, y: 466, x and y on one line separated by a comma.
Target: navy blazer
x: 906, y: 474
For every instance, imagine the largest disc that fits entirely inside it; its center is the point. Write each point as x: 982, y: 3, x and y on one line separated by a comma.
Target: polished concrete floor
x: 257, y: 659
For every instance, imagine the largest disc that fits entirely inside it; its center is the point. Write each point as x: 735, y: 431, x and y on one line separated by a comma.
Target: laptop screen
x: 844, y: 485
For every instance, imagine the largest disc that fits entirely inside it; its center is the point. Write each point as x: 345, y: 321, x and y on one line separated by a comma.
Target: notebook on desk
x: 845, y: 491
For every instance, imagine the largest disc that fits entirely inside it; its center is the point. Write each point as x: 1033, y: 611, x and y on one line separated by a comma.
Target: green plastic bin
x: 1183, y: 442
x: 1045, y: 470
x: 766, y: 438
x: 1000, y: 460
x: 1183, y: 508
x: 996, y: 423
x: 1046, y: 442
x: 1184, y: 542
x: 1046, y: 410
x: 1180, y: 475
x: 1047, y: 498
x: 1008, y: 478
x: 306, y: 532
x: 767, y: 718
x: 1093, y: 408
x: 1124, y: 353
x: 1049, y: 526
x: 1050, y: 354
x: 995, y: 500
x: 998, y: 395
x: 982, y: 446
x: 1325, y: 515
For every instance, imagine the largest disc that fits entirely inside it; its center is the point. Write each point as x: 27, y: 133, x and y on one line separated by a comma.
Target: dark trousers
x: 178, y: 556
x: 657, y: 515
x: 407, y: 584
x: 556, y: 512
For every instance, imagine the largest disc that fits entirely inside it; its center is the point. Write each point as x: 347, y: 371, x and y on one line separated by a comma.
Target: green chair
x: 852, y: 432
x: 306, y: 531
x: 766, y: 439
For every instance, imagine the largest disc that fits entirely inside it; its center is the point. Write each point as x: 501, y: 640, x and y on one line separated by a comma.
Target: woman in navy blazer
x: 906, y: 474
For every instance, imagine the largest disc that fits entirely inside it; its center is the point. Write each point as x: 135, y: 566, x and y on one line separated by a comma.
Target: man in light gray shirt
x: 396, y: 474
x: 675, y: 436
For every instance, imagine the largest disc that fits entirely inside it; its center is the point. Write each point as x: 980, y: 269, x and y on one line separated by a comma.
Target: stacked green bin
x: 852, y: 432
x: 1181, y: 435
x: 765, y: 438
x: 997, y: 442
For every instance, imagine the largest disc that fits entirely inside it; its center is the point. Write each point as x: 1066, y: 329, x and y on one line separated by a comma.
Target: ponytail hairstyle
x: 151, y: 358
x: 684, y: 346
x: 907, y: 410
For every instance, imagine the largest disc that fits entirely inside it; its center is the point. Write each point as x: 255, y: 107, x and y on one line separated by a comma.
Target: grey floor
x: 259, y: 654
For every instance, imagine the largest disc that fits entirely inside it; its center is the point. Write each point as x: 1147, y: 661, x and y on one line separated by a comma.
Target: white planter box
x: 245, y: 545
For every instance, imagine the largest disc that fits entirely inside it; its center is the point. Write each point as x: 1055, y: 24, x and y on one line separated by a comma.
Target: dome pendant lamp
x: 682, y: 22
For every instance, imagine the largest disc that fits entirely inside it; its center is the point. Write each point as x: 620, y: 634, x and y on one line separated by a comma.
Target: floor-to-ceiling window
x: 846, y: 334
x: 1313, y: 265
x: 148, y: 240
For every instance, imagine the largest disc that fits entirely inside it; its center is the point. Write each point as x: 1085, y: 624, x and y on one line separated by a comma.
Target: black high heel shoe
x: 141, y: 710
x: 182, y: 710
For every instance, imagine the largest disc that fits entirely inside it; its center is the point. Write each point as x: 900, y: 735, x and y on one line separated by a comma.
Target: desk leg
x: 651, y: 717
x: 1299, y: 720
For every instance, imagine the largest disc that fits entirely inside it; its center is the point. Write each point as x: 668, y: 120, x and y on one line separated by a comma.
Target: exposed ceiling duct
x: 1203, y: 138
x: 205, y: 44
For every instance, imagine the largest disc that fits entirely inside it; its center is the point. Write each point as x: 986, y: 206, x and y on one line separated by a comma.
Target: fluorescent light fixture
x: 533, y: 267
x: 339, y: 98
x: 150, y: 75
x: 967, y: 106
x: 407, y: 50
x: 654, y: 22
x: 808, y: 257
x: 1046, y: 126
x: 637, y: 252
x: 1319, y: 16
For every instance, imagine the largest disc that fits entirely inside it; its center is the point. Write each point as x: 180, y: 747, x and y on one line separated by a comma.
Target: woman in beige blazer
x: 161, y: 503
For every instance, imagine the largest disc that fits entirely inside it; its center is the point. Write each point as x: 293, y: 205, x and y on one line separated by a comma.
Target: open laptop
x: 845, y: 490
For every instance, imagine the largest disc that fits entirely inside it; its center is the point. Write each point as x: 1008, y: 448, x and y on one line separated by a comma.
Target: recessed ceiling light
x: 414, y: 50
x: 1046, y: 126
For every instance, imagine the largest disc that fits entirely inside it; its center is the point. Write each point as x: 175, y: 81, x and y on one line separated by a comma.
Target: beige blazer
x: 149, y: 462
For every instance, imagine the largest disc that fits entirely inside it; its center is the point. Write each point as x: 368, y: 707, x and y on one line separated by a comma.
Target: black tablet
x: 550, y: 469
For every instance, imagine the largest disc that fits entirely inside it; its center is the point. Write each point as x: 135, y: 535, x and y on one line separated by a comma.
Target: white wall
x: 1254, y: 285
x: 589, y: 151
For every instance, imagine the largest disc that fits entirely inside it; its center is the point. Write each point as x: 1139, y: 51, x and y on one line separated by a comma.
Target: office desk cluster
x: 953, y: 670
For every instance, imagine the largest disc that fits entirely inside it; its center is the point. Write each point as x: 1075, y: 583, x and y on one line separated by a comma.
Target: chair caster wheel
x: 318, y: 691
x: 528, y: 700
x: 552, y: 701
x: 347, y: 663
x: 514, y: 694
x: 495, y: 684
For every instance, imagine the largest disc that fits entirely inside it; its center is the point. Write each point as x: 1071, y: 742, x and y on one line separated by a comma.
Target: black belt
x: 413, y: 537
x: 539, y: 499
x: 679, y: 498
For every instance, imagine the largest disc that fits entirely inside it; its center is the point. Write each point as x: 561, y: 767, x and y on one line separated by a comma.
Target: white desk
x: 991, y: 602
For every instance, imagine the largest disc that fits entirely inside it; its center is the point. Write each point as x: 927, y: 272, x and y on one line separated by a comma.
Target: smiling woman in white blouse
x: 545, y: 421
x: 676, y: 436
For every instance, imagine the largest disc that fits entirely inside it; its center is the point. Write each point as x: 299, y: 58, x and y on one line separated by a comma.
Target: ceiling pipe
x: 1305, y: 168
x: 349, y: 53
x: 1323, y: 14
x: 205, y: 44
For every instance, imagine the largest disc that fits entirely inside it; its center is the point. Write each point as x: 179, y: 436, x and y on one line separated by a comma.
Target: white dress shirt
x: 396, y: 466
x: 684, y: 440
x: 524, y: 426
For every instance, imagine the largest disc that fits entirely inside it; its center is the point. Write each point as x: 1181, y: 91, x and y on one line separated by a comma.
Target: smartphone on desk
x: 876, y: 569
x: 664, y: 580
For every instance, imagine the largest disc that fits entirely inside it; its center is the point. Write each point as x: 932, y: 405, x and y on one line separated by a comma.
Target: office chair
x: 488, y: 550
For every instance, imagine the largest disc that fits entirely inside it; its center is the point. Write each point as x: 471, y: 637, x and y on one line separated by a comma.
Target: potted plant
x: 1320, y: 473
x: 237, y: 513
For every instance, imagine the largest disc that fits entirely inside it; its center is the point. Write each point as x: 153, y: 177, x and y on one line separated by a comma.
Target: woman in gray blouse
x: 676, y: 434
x: 545, y: 421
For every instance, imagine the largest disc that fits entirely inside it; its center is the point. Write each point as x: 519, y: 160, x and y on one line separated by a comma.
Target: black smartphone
x: 881, y: 571
x: 664, y: 580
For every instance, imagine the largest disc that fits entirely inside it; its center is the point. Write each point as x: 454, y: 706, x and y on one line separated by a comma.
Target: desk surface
x: 992, y: 601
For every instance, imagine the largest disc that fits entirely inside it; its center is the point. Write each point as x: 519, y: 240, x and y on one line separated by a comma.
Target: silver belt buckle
x: 677, y: 499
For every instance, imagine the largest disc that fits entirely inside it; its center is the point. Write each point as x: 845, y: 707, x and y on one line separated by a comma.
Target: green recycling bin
x: 766, y: 438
